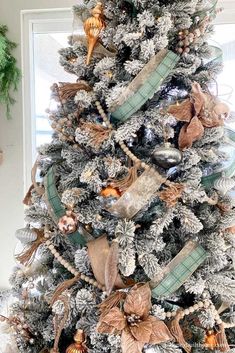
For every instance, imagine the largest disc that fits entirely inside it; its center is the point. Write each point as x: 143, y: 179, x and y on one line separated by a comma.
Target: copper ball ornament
x: 109, y: 191
x: 79, y: 345
x: 210, y: 341
x: 166, y: 156
x: 68, y: 223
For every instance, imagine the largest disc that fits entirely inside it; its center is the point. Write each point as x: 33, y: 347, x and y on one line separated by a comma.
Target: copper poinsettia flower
x: 134, y: 323
x: 199, y: 111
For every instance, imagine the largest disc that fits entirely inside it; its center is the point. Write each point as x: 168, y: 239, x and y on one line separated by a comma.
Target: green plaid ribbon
x: 53, y: 196
x: 57, y: 207
x: 178, y: 275
x: 148, y: 89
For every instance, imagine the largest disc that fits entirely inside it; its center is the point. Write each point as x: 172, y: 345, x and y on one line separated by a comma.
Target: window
x: 43, y: 34
x: 46, y: 71
x: 225, y: 38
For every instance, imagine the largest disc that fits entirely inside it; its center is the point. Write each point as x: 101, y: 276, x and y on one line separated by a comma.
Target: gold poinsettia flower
x: 133, y: 321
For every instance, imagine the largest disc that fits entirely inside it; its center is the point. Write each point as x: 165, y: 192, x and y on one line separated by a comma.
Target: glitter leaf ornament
x: 93, y: 26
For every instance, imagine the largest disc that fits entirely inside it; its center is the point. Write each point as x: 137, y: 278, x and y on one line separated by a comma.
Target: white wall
x: 11, y: 141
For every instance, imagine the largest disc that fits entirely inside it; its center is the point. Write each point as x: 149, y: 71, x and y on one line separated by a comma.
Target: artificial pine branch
x: 9, y: 72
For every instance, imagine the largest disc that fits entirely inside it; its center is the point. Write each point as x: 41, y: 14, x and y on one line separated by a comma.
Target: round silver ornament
x: 167, y: 156
x: 26, y: 235
x: 224, y: 184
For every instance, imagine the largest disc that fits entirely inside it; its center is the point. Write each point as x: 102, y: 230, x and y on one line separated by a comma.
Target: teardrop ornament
x: 93, y: 27
x: 224, y: 184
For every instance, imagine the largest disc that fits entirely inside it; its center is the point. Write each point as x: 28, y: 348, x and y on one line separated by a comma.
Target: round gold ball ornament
x: 79, y: 345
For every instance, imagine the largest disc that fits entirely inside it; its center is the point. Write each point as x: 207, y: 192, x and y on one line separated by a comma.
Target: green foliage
x: 9, y: 72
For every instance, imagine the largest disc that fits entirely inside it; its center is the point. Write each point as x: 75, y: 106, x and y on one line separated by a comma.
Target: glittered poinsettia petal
x: 112, y: 301
x: 142, y: 331
x: 221, y: 108
x: 182, y: 111
x: 160, y: 332
x: 213, y: 120
x: 138, y: 301
x: 198, y: 97
x: 102, y: 327
x: 115, y: 318
x: 190, y: 133
x: 129, y: 344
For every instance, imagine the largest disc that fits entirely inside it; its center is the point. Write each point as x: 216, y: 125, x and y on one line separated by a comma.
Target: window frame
x: 227, y: 15
x: 35, y: 21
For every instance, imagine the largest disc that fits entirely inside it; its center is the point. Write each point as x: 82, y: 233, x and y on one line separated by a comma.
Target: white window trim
x: 41, y: 21
x: 227, y: 16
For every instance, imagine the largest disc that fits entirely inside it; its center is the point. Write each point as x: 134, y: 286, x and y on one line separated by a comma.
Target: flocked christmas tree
x: 130, y: 239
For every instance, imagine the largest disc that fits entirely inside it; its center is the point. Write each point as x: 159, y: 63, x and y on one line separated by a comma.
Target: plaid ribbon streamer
x: 57, y: 207
x: 53, y: 196
x: 180, y: 273
x: 148, y: 89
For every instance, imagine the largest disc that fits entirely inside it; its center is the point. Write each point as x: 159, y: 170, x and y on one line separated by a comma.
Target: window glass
x: 47, y: 70
x: 225, y: 38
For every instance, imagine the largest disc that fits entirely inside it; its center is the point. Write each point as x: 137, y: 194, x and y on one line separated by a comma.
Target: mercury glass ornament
x: 68, y: 223
x: 167, y: 156
x: 26, y: 235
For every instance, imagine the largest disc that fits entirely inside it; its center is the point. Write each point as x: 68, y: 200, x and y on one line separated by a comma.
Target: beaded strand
x: 69, y: 267
x: 121, y: 143
x: 206, y: 304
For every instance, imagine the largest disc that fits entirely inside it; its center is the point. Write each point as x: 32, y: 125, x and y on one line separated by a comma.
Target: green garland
x: 9, y: 72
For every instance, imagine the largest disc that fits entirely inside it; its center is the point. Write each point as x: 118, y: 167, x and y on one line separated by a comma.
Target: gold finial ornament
x: 93, y: 26
x: 79, y: 345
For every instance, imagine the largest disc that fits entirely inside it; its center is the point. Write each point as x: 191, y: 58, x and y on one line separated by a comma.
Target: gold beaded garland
x: 70, y: 268
x: 121, y: 143
x: 206, y: 304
